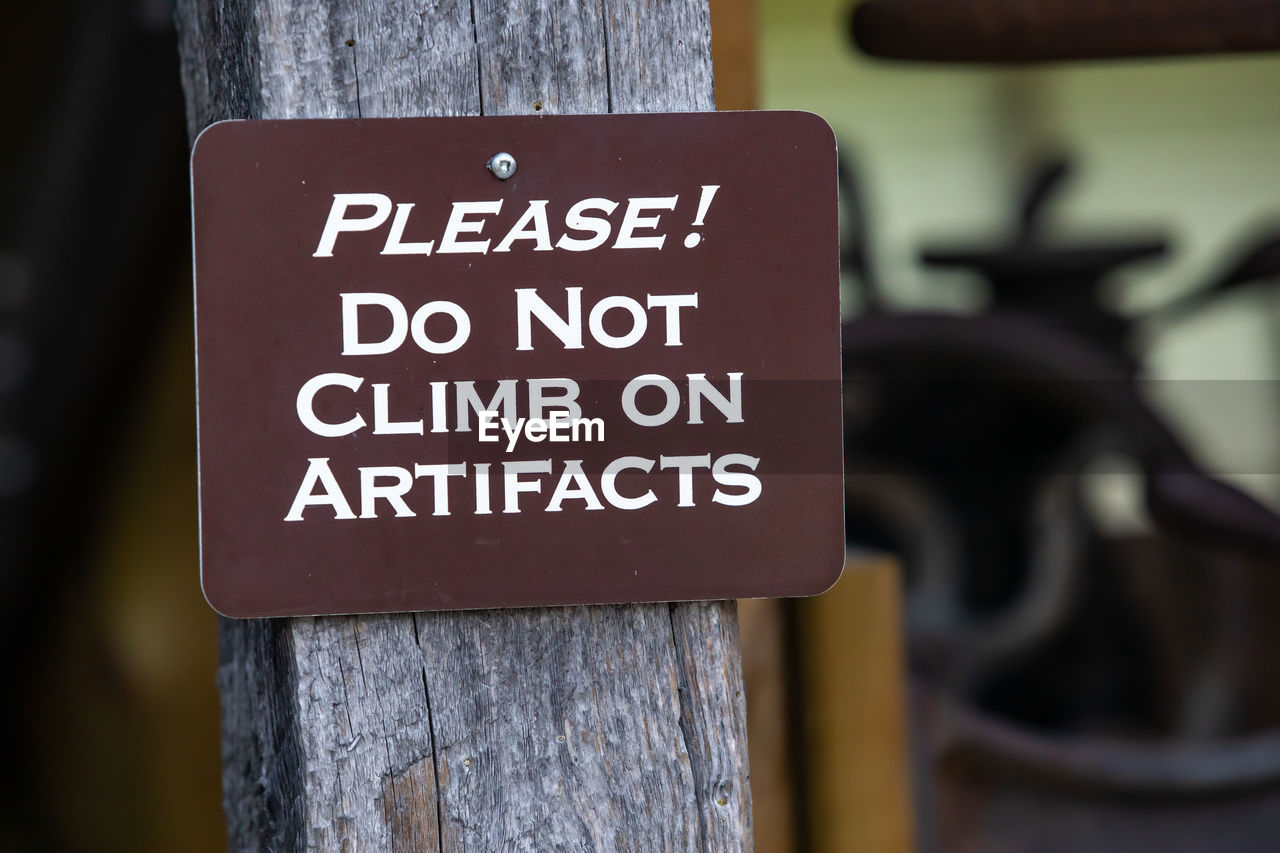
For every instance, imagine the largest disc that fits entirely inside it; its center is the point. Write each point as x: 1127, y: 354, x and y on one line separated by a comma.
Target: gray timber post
x: 584, y: 728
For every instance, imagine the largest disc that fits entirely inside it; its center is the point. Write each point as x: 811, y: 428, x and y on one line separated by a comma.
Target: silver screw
x: 502, y: 165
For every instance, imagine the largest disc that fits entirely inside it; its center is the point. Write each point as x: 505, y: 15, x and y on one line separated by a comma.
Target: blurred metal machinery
x: 1072, y: 688
x: 1069, y: 686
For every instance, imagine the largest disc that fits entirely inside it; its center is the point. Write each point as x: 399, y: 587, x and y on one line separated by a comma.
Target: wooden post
x: 585, y: 728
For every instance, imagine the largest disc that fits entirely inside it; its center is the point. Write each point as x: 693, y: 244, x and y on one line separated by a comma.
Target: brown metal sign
x: 452, y: 363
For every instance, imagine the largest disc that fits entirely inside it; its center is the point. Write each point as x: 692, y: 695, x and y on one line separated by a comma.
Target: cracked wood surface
x: 586, y: 728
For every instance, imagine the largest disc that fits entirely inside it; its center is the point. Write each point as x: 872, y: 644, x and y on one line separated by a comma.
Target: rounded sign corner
x: 819, y: 124
x: 827, y: 581
x: 210, y: 596
x: 212, y: 129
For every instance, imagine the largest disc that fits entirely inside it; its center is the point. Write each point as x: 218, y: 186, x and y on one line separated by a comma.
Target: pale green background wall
x: 1189, y: 145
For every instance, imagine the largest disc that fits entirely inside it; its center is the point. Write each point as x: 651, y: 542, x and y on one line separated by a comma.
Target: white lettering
x: 632, y: 221
x: 488, y: 421
x: 392, y: 493
x: 440, y: 475
x: 673, y: 302
x: 382, y: 423
x: 535, y: 215
x: 513, y: 486
x: 318, y: 472
x: 468, y: 401
x: 306, y: 405
x: 685, y: 465
x: 459, y: 224
x: 575, y: 221
x: 540, y: 399
x: 535, y: 430
x: 608, y: 482
x: 461, y: 321
x: 650, y: 380
x: 730, y: 407
x: 639, y: 322
x: 512, y: 431
x: 724, y: 477
x: 573, y: 485
x: 338, y: 222
x: 530, y: 304
x: 351, y: 344
x: 394, y: 246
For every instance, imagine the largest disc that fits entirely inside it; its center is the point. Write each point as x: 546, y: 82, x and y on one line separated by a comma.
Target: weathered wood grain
x: 589, y: 728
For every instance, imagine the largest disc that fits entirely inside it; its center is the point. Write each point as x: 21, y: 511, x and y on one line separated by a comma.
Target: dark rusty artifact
x: 1073, y: 688
x: 1011, y: 31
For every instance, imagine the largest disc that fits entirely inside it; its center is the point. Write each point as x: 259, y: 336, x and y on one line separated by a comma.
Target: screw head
x: 502, y: 165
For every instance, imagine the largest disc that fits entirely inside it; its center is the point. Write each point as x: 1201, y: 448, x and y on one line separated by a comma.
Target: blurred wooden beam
x: 568, y: 728
x: 734, y: 55
x: 855, y: 717
x: 764, y: 673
